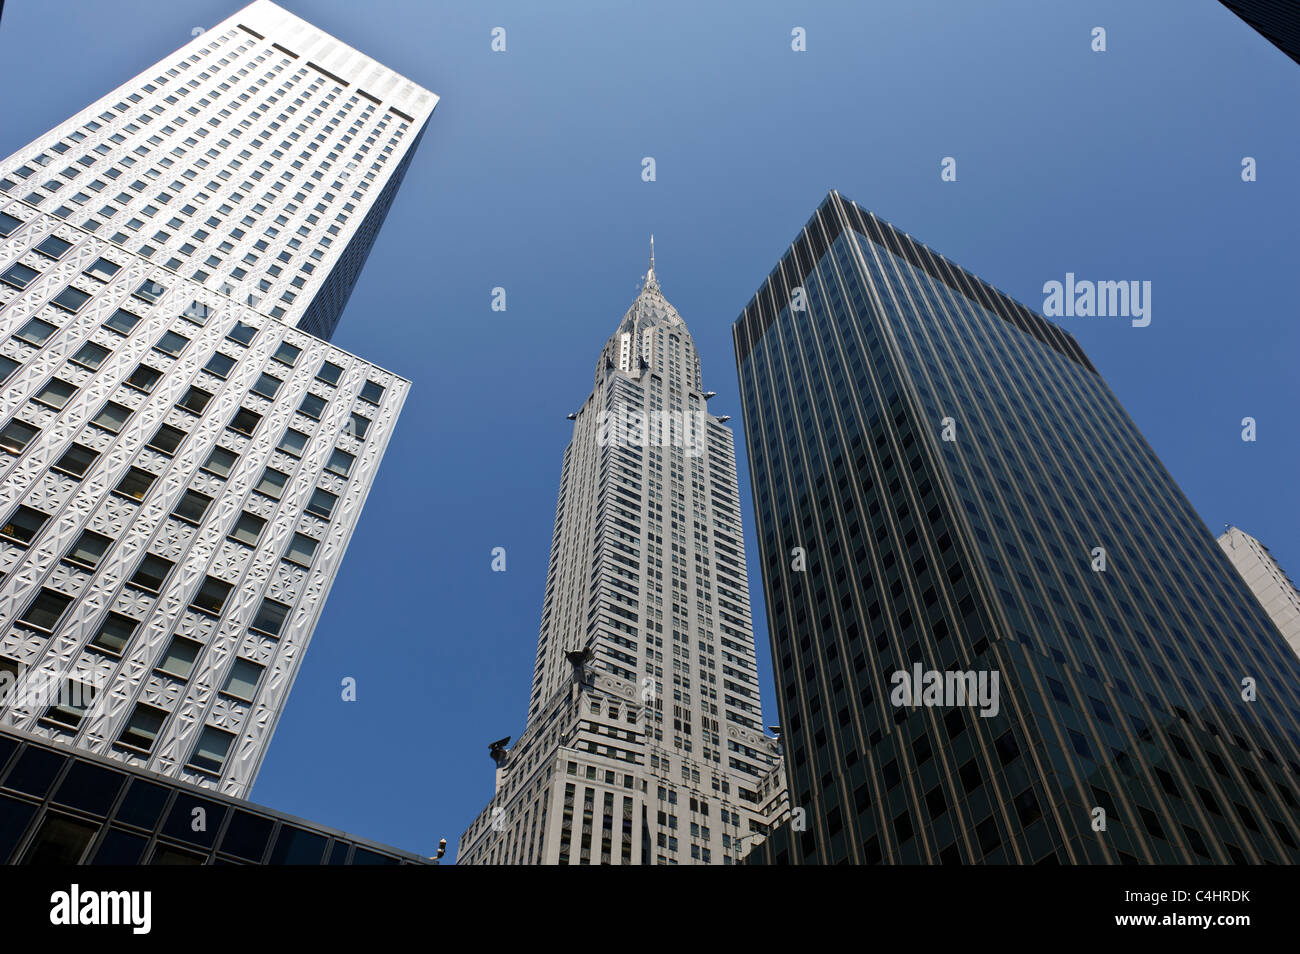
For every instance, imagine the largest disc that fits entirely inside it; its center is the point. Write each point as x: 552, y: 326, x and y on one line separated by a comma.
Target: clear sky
x: 1117, y: 165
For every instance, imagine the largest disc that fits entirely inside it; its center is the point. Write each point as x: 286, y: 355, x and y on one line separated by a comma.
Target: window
x: 322, y: 503
x: 245, y: 421
x: 19, y: 275
x: 267, y: 386
x: 166, y: 439
x: 293, y: 442
x: 149, y: 291
x: 54, y: 247
x: 220, y: 461
x: 219, y: 364
x: 103, y: 269
x: 211, y: 750
x: 10, y: 671
x: 23, y: 525
x: 7, y: 224
x: 329, y: 373
x: 122, y: 321
x: 114, y: 633
x: 90, y: 355
x: 142, y: 728
x: 76, y: 460
x: 143, y: 378
x: 357, y: 426
x: 36, y: 332
x: 195, y: 400
x: 89, y: 549
x: 243, y: 679
x: 171, y: 343
x: 372, y: 392
x: 247, y: 529
x: 272, y: 483
x: 70, y: 299
x: 294, y: 846
x: 193, y: 505
x: 212, y: 595
x: 60, y: 840
x: 46, y: 610
x: 151, y: 573
x: 312, y: 406
x: 340, y: 462
x: 179, y: 659
x: 301, y: 550
x: 7, y: 367
x: 56, y: 393
x: 74, y: 700
x: 16, y: 435
x: 112, y: 417
x: 242, y: 333
x: 135, y: 484
x: 270, y: 617
x: 197, y: 312
x: 287, y: 354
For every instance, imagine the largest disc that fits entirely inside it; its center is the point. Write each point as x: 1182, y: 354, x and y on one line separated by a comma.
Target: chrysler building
x: 645, y: 741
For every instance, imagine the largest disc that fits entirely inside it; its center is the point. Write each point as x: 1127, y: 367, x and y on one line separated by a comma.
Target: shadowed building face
x: 942, y: 482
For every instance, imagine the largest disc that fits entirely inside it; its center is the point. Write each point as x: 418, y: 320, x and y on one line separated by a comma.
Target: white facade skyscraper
x: 1267, y: 580
x: 182, y: 463
x: 259, y: 160
x: 645, y: 741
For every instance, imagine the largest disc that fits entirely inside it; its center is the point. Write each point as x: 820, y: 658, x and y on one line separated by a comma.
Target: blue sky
x: 1116, y: 165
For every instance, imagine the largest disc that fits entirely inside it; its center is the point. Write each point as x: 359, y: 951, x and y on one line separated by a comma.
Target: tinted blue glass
x: 293, y: 846
x: 34, y: 772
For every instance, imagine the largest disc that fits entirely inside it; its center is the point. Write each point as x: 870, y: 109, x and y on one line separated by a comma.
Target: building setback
x: 941, y: 478
x: 1267, y: 580
x: 645, y: 741
x: 182, y: 463
x: 259, y: 159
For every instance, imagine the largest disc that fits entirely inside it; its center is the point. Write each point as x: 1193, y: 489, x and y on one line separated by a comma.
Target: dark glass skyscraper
x: 943, y: 483
x: 1277, y: 21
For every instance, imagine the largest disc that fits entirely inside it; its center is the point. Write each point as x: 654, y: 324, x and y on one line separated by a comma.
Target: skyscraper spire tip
x: 650, y: 279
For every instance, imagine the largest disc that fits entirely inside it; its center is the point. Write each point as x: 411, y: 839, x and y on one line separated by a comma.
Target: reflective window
x: 89, y: 549
x: 152, y: 572
x: 46, y: 610
x: 114, y: 633
x: 23, y: 524
x: 16, y: 435
x: 270, y: 617
x: 141, y: 730
x: 179, y: 659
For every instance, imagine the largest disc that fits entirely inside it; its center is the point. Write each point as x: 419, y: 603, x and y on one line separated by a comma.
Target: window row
x: 47, y: 609
x: 24, y: 523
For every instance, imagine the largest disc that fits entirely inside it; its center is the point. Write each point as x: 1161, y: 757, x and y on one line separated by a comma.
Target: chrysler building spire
x: 650, y: 280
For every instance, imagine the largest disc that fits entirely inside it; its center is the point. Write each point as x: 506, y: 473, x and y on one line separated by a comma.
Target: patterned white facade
x: 1267, y: 580
x: 181, y: 468
x: 645, y: 741
x: 259, y: 159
